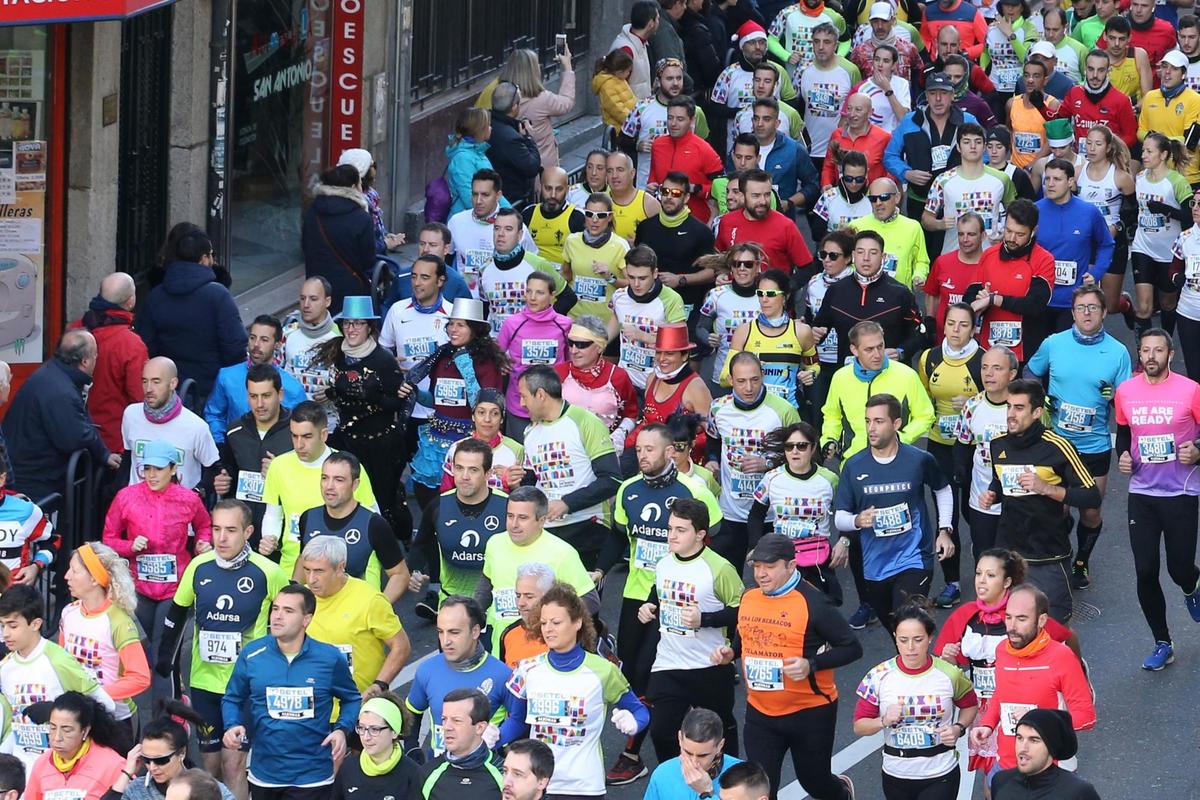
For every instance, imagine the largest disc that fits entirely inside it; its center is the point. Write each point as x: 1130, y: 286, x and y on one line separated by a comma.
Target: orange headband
x: 94, y: 567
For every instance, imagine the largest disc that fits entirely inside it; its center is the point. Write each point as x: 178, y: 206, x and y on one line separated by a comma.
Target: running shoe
x: 849, y: 785
x: 626, y: 770
x: 1193, y: 603
x: 1163, y: 654
x: 426, y: 607
x: 1125, y: 307
x: 1079, y: 577
x: 949, y: 597
x: 863, y: 617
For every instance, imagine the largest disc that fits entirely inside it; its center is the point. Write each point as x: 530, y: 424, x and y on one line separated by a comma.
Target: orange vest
x: 516, y: 645
x: 772, y: 630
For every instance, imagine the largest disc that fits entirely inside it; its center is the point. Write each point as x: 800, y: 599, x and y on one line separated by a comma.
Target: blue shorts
x: 208, y: 705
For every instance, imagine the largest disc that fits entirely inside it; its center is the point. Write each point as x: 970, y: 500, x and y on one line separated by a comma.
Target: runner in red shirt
x: 1096, y: 102
x: 756, y: 222
x: 681, y: 150
x: 1014, y: 283
x: 953, y: 272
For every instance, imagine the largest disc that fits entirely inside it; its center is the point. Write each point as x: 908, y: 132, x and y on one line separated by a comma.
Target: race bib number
x: 437, y: 739
x: 647, y: 553
x: 594, y: 289
x: 742, y: 486
x: 1010, y: 475
x: 65, y: 794
x: 450, y: 392
x: 539, y: 351
x: 947, y: 425
x: 637, y: 356
x: 504, y: 603
x: 219, y: 647
x: 1149, y: 221
x: 893, y: 520
x: 914, y: 737
x: 670, y: 619
x: 984, y: 679
x: 941, y: 156
x: 1004, y: 332
x: 250, y: 486
x: 1010, y: 716
x: 1157, y: 448
x: 294, y: 526
x: 823, y: 102
x: 30, y: 738
x: 1065, y: 273
x: 800, y: 528
x: 764, y: 674
x: 1027, y: 142
x: 348, y: 651
x: 1080, y: 419
x: 890, y: 263
x: 1191, y: 274
x: 157, y: 568
x: 290, y: 702
x: 827, y: 349
x: 418, y: 348
x: 553, y: 709
x: 1005, y: 79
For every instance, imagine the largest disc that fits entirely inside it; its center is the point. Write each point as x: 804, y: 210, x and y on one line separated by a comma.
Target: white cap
x: 1044, y: 49
x: 358, y: 158
x: 882, y: 10
x: 1175, y: 58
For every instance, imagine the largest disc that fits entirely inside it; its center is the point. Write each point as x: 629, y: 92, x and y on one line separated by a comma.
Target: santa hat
x: 749, y: 32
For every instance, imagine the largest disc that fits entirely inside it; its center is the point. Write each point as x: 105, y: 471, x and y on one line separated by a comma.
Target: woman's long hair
x: 102, y: 728
x: 523, y: 69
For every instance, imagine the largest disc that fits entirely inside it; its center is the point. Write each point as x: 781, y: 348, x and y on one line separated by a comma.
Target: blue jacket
x: 463, y: 160
x: 228, y: 401
x: 911, y: 148
x: 286, y: 748
x: 46, y: 422
x: 1075, y: 231
x: 792, y: 169
x: 193, y: 320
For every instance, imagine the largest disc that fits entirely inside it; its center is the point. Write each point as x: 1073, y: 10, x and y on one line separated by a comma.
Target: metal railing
x: 73, y: 514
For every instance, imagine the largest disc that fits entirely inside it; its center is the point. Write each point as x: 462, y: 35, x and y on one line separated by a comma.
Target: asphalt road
x: 1145, y: 740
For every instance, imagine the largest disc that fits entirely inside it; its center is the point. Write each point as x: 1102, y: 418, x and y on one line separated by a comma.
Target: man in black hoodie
x: 1044, y: 736
x: 513, y: 152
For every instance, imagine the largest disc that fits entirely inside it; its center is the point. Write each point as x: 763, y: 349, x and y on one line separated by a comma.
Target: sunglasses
x: 662, y: 190
x: 578, y: 345
x: 881, y: 198
x: 798, y: 446
x: 160, y: 761
x: 829, y: 255
x: 769, y: 292
x: 854, y: 178
x: 587, y: 212
x: 743, y: 264
x: 681, y: 447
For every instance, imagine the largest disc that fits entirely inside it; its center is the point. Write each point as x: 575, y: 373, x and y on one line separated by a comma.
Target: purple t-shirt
x: 1161, y: 417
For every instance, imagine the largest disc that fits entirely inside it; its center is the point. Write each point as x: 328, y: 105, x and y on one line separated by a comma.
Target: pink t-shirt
x: 1161, y: 417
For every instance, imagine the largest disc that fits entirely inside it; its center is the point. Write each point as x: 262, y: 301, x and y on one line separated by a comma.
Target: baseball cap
x: 882, y: 10
x: 774, y: 547
x: 1175, y: 58
x: 938, y: 81
x: 159, y: 454
x: 1044, y: 49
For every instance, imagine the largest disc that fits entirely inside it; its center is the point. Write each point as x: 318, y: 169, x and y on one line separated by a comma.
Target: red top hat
x: 673, y: 339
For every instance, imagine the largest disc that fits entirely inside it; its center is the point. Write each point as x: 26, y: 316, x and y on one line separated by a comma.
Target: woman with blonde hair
x: 538, y: 104
x: 466, y: 154
x: 98, y: 627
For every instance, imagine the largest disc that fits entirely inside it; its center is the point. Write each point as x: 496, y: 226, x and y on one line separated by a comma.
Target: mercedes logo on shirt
x: 245, y: 585
x: 353, y: 536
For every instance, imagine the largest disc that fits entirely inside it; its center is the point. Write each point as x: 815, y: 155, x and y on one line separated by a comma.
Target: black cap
x: 1000, y: 134
x: 774, y: 547
x: 1056, y: 729
x: 938, y: 80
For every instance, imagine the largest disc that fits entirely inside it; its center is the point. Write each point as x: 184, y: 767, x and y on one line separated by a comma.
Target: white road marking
x: 848, y: 757
x: 410, y: 671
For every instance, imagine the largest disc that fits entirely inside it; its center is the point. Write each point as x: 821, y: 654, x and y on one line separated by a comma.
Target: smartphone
x: 560, y: 44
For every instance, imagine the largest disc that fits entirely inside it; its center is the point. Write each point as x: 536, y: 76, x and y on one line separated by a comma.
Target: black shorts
x: 1156, y: 273
x: 1120, y: 256
x: 208, y: 706
x: 1097, y: 463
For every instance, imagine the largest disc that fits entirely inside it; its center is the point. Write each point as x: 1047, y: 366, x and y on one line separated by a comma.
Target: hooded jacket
x: 527, y: 337
x: 464, y: 157
x: 912, y: 145
x: 117, y: 380
x: 616, y: 98
x: 515, y: 156
x: 338, y: 239
x: 193, y: 320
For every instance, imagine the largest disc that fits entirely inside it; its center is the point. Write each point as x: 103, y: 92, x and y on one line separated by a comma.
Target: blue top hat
x: 358, y: 307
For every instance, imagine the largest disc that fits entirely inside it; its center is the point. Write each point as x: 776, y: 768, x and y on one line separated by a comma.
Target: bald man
x: 905, y: 257
x: 162, y: 416
x: 47, y: 420
x: 858, y: 133
x: 117, y: 381
x: 552, y: 220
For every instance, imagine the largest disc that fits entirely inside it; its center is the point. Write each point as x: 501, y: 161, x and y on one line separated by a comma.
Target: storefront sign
x: 22, y: 251
x: 347, y: 94
x: 22, y: 12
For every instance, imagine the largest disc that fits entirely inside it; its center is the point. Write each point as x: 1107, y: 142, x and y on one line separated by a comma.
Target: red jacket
x: 117, y: 381
x: 1114, y: 111
x: 1025, y: 285
x: 692, y: 156
x: 1044, y: 674
x: 871, y: 144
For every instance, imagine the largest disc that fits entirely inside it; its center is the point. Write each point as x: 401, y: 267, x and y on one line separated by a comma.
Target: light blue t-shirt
x: 1080, y: 377
x: 666, y: 783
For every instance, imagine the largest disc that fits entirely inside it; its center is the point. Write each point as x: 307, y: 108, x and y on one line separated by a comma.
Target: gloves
x: 491, y: 735
x: 624, y: 721
x: 618, y: 440
x: 1038, y: 98
x: 164, y: 667
x: 1159, y: 207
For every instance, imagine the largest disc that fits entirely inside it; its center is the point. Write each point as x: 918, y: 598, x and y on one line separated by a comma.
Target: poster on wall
x: 22, y: 250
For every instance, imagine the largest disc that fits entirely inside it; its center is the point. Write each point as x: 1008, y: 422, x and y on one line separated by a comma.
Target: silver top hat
x: 468, y: 310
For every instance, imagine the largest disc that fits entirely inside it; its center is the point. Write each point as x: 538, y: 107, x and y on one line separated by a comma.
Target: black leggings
x: 731, y: 542
x: 944, y: 787
x: 808, y: 735
x: 1171, y: 520
x: 889, y: 594
x: 674, y: 692
x: 943, y: 454
x: 984, y: 528
x: 637, y: 643
x: 1189, y: 342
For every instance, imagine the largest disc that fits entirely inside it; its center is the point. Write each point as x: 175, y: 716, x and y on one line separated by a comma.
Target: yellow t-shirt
x: 357, y: 620
x: 592, y: 291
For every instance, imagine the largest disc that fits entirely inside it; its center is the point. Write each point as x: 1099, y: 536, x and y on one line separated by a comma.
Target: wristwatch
x: 889, y: 93
x: 381, y: 684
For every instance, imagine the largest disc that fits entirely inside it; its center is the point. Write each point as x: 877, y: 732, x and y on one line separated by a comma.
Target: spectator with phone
x: 538, y: 104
